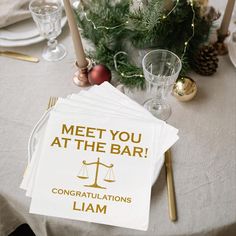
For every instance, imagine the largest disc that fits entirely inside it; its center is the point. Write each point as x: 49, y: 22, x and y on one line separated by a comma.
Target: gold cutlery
x: 170, y: 186
x: 19, y: 56
x: 52, y: 101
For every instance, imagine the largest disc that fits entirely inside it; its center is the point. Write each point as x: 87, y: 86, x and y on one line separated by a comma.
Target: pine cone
x: 205, y: 61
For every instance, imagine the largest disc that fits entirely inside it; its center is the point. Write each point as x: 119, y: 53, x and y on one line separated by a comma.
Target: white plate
x: 22, y: 34
x: 22, y: 30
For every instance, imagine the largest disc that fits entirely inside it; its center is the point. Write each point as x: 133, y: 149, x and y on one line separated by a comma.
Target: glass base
x: 55, y: 54
x: 158, y: 108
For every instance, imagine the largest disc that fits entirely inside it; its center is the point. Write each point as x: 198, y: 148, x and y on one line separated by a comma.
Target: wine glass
x: 47, y: 16
x: 161, y: 69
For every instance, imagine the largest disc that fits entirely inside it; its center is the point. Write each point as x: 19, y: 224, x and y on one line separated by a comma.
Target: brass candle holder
x: 220, y: 44
x: 81, y: 75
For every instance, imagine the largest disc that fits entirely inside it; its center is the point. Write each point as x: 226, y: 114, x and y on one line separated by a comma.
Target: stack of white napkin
x: 94, y: 157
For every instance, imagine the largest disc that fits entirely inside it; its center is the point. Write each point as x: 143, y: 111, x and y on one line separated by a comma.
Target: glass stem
x: 159, y: 93
x: 52, y: 44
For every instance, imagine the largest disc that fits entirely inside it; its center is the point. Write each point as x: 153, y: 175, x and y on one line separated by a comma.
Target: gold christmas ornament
x: 184, y: 89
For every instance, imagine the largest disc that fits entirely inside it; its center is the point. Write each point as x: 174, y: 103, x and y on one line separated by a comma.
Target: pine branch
x: 146, y: 28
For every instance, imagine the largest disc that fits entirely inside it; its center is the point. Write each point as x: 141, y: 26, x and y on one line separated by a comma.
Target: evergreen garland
x: 144, y: 28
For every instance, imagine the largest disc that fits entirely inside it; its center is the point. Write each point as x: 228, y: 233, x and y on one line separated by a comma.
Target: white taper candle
x: 227, y: 17
x: 79, y: 50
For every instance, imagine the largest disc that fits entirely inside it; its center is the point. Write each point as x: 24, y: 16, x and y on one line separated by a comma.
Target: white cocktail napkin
x: 100, y: 132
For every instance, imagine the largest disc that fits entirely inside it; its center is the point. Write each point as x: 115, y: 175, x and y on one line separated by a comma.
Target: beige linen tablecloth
x: 204, y: 159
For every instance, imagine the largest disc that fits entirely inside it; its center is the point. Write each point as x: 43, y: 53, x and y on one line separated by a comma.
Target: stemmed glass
x: 47, y: 16
x: 161, y: 69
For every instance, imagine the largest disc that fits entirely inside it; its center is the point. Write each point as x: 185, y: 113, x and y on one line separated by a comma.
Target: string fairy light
x: 193, y: 30
x: 176, y: 4
x: 126, y: 22
x: 102, y: 26
x: 121, y: 73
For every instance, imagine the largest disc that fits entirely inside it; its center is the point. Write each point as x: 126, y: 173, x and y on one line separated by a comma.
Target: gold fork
x: 52, y: 101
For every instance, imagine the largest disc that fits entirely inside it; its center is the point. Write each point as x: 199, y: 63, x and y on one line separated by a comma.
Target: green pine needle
x: 146, y: 28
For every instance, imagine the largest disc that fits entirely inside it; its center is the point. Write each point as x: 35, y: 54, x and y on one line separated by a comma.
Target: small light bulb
x: 163, y: 17
x: 192, y: 25
x: 127, y: 22
x: 122, y: 74
x: 186, y: 43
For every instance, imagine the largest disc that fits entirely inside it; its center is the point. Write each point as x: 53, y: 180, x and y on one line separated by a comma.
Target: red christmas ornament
x: 98, y: 74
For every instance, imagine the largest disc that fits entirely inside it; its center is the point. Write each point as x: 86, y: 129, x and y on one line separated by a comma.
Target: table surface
x: 204, y: 158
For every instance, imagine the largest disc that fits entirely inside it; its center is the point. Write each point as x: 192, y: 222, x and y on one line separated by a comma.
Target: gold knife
x: 19, y: 56
x: 170, y: 186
